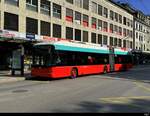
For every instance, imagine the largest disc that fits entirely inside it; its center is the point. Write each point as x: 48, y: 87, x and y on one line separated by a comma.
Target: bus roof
x: 80, y: 47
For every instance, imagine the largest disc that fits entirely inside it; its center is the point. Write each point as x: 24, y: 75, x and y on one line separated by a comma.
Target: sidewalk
x: 6, y: 77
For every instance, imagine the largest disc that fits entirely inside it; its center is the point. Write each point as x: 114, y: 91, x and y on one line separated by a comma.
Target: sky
x: 143, y: 5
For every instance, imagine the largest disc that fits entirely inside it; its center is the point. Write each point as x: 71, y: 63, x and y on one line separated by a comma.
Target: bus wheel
x: 74, y: 73
x: 105, y: 69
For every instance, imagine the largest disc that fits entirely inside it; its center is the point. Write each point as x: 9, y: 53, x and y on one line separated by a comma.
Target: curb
x: 8, y: 80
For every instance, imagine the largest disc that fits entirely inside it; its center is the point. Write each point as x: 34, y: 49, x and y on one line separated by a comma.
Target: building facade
x: 142, y: 32
x: 95, y: 21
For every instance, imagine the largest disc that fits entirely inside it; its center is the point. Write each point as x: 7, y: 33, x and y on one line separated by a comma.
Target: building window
x: 105, y: 12
x: 93, y: 37
x: 86, y: 4
x: 137, y: 35
x: 69, y: 15
x: 105, y: 26
x: 85, y: 36
x: 119, y: 42
x: 115, y: 29
x: 116, y: 17
x: 85, y: 20
x: 100, y: 10
x: 100, y: 39
x: 12, y: 2
x: 111, y: 15
x: 131, y: 45
x: 45, y: 28
x: 69, y: 33
x: 124, y: 20
x: 56, y: 30
x: 124, y: 32
x: 94, y: 7
x: 77, y: 35
x: 111, y: 41
x: 77, y: 18
x: 120, y: 30
x: 69, y: 1
x: 105, y: 40
x: 120, y: 19
x: 100, y: 23
x: 124, y: 43
x: 111, y: 28
x: 56, y: 11
x: 93, y: 22
x: 45, y: 7
x: 32, y: 5
x: 11, y: 21
x: 78, y: 3
x: 31, y: 26
x: 115, y: 41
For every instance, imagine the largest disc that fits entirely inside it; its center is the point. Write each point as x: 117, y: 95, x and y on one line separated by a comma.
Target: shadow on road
x: 141, y: 74
x: 134, y: 106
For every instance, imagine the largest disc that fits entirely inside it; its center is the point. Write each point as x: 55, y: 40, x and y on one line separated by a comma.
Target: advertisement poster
x: 16, y: 60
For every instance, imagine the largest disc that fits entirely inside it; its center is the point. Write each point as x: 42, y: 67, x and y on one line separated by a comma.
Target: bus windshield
x: 43, y: 56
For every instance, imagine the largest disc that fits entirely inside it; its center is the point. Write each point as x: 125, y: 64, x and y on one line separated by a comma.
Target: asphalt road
x: 116, y: 92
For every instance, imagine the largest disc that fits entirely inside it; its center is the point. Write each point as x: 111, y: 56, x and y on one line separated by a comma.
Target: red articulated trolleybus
x: 61, y: 58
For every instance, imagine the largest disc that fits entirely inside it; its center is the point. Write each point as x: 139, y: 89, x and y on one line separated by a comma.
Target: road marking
x: 120, y: 98
x: 138, y: 83
x: 125, y: 101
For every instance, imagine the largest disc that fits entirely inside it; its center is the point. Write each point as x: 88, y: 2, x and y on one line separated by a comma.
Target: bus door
x: 112, y: 59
